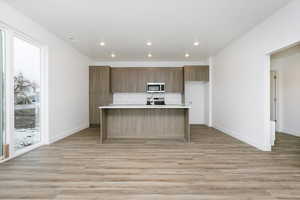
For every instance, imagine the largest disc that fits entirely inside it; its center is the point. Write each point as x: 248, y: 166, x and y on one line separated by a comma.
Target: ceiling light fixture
x: 149, y: 43
x: 71, y: 38
x: 113, y: 55
x: 187, y: 55
x: 102, y: 44
x: 149, y: 55
x: 196, y: 43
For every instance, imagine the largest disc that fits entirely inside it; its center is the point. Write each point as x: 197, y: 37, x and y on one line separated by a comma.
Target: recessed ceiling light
x: 102, y: 44
x: 149, y: 43
x: 71, y: 37
x: 149, y: 55
x: 113, y: 55
x: 187, y: 55
x: 196, y: 43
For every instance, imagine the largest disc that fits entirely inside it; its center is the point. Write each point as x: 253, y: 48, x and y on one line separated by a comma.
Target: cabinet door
x: 142, y: 80
x: 171, y: 76
x: 100, y: 93
x: 135, y: 79
x: 174, y: 79
x: 196, y: 73
x: 127, y: 80
x: 119, y: 80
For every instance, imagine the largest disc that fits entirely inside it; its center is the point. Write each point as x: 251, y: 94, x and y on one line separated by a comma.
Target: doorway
x: 285, y: 91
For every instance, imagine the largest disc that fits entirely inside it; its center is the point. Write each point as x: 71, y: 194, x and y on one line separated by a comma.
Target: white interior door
x: 195, y: 95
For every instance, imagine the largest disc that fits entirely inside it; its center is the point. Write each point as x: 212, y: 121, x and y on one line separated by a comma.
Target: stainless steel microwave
x: 155, y: 87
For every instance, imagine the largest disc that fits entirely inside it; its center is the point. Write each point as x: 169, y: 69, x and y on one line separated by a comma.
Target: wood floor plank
x: 214, y: 166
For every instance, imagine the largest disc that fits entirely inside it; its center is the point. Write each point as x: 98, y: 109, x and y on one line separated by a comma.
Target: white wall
x: 287, y: 65
x: 68, y: 75
x: 241, y: 98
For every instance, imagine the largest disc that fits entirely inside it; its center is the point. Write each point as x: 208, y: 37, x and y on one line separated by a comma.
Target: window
x: 27, y: 90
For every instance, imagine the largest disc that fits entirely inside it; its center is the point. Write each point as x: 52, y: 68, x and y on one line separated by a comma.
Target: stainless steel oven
x: 155, y: 87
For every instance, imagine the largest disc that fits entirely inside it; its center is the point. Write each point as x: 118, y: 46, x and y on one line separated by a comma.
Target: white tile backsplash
x: 141, y: 98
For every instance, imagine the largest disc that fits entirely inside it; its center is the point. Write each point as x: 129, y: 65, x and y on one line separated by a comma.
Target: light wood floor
x: 214, y: 166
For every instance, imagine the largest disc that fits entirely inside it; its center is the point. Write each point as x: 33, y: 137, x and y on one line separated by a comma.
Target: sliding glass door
x: 27, y: 84
x: 1, y: 93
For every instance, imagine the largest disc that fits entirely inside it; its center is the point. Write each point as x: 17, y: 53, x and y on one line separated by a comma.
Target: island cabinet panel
x: 196, y: 73
x: 146, y: 123
x: 134, y: 79
x: 99, y: 92
x: 156, y: 122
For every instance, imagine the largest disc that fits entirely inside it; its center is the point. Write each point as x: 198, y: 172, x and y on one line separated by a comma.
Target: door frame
x: 268, y: 88
x: 275, y: 101
x: 2, y: 94
x: 10, y: 33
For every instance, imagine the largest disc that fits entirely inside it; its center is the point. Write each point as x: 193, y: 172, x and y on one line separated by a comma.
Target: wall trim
x: 68, y: 133
x: 242, y: 137
x: 290, y: 132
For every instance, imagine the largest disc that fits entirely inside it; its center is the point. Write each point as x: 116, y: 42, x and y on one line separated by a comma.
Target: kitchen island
x: 144, y: 122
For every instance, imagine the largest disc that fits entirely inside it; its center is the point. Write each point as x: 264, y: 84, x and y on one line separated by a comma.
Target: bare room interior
x: 150, y: 100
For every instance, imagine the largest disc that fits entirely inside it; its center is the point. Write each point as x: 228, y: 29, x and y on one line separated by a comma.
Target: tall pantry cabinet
x: 100, y: 91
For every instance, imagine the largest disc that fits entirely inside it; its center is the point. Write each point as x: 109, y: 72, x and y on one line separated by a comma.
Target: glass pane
x: 27, y: 94
x: 1, y: 93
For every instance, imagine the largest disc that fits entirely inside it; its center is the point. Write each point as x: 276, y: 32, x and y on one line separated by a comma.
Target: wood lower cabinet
x: 196, y: 73
x: 100, y: 91
x: 135, y: 79
x: 144, y: 123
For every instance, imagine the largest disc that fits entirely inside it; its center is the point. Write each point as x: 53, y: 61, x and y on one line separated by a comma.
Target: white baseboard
x: 202, y: 124
x: 68, y: 133
x: 242, y: 138
x: 290, y: 132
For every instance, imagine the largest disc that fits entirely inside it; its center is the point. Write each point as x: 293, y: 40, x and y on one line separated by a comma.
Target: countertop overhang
x: 141, y: 106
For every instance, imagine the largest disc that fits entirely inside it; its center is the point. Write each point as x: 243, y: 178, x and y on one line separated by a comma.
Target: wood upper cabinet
x: 135, y: 79
x: 99, y: 91
x: 173, y: 77
x: 124, y: 80
x: 196, y: 73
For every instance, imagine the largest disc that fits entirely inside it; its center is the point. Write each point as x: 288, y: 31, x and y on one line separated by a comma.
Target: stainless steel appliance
x: 155, y: 87
x: 156, y: 101
x: 156, y: 94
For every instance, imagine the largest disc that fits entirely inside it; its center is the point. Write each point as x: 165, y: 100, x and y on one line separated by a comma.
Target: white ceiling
x: 126, y: 25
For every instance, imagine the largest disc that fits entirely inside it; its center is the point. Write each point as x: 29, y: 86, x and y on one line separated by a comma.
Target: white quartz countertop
x: 139, y: 106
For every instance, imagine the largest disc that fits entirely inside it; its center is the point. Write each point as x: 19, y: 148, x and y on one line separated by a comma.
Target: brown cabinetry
x: 135, y: 79
x: 196, y: 73
x: 99, y: 91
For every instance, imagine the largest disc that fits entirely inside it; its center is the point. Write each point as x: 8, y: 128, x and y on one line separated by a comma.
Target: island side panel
x: 103, y: 126
x: 146, y: 123
x: 187, y: 126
